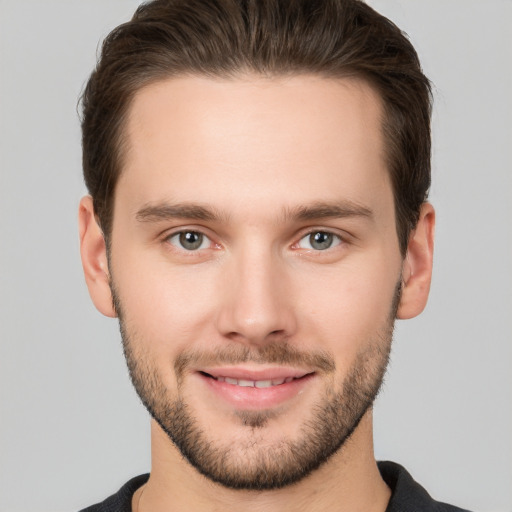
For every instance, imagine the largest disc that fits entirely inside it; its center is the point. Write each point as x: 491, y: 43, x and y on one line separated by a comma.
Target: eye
x: 319, y: 241
x: 189, y: 240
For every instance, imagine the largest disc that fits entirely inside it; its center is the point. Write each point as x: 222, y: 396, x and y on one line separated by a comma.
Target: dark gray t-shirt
x: 406, y: 494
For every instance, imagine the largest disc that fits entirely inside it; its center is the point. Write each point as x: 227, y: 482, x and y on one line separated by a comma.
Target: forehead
x: 282, y: 140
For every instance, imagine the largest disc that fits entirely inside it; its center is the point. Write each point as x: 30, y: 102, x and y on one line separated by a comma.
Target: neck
x: 348, y: 481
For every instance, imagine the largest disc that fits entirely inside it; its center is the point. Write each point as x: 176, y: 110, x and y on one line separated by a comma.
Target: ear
x: 417, y: 266
x: 94, y: 258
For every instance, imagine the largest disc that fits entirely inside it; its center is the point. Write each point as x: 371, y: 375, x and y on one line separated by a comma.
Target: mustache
x: 280, y: 353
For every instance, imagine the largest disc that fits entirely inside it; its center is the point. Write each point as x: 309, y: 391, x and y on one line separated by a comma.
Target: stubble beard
x: 248, y: 464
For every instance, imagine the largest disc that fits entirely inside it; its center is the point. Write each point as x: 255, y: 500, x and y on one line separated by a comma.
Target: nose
x: 256, y: 306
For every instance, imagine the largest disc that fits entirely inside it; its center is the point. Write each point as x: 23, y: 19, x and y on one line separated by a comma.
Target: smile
x: 254, y: 383
x: 255, y: 390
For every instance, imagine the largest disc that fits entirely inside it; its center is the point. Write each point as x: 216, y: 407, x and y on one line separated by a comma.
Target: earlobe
x: 417, y: 266
x: 94, y: 258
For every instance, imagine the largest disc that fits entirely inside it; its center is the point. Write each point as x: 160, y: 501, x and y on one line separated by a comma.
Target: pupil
x: 191, y: 240
x: 321, y: 240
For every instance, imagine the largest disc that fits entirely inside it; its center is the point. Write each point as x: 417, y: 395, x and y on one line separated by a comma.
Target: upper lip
x: 255, y: 374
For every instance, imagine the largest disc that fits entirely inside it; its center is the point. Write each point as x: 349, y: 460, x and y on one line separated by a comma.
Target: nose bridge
x: 256, y: 306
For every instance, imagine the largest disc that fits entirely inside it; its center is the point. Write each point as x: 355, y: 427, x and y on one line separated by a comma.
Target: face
x: 255, y: 268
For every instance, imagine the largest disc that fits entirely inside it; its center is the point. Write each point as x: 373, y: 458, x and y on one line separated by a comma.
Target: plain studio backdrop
x: 72, y: 429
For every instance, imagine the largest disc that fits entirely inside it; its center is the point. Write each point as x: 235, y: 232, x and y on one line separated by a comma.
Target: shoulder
x: 121, y: 501
x: 407, y: 494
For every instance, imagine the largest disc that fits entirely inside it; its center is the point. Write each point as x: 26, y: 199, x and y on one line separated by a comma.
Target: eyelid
x: 343, y: 238
x: 204, y: 240
x: 168, y: 234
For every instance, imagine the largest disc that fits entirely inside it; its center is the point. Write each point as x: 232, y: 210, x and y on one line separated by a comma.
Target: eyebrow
x: 192, y: 211
x: 323, y: 210
x: 165, y: 211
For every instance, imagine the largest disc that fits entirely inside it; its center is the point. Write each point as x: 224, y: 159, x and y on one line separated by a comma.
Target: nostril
x: 279, y: 332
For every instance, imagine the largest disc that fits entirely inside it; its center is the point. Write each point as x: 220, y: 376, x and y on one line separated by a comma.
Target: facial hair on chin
x: 248, y: 464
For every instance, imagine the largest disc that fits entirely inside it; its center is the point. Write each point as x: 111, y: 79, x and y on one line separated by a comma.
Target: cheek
x: 350, y: 307
x: 168, y: 307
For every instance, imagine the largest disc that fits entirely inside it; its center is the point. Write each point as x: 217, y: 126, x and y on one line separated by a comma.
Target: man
x: 258, y: 173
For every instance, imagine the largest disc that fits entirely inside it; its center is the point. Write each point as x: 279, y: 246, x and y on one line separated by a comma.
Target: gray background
x: 71, y: 428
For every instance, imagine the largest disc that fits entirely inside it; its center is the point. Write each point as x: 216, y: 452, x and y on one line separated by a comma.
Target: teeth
x: 254, y: 383
x: 263, y: 383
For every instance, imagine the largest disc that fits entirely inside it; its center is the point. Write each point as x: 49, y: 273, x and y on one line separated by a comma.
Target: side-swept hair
x: 224, y: 38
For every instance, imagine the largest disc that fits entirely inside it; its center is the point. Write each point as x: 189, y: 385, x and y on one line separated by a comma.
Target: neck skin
x: 349, y: 481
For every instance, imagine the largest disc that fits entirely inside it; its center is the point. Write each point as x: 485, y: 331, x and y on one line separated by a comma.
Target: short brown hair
x: 221, y: 38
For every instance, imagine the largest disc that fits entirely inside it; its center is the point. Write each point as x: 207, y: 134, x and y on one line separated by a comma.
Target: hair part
x: 226, y: 38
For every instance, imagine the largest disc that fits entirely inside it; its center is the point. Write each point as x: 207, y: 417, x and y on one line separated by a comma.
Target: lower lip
x: 251, y: 398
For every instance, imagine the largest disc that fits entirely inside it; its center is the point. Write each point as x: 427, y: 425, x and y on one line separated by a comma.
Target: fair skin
x: 247, y: 156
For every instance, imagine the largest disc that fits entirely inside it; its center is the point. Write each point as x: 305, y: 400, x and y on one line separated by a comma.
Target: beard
x: 250, y: 462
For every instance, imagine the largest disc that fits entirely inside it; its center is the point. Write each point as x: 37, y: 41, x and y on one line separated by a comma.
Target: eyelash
x: 183, y: 233
x: 332, y: 238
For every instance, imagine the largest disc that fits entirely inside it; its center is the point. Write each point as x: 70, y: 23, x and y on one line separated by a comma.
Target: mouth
x: 247, y: 383
x: 255, y: 389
